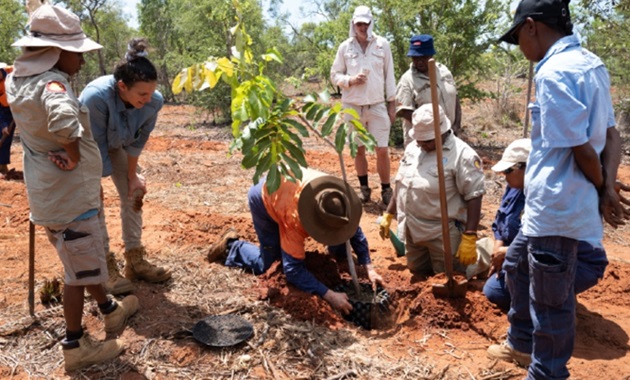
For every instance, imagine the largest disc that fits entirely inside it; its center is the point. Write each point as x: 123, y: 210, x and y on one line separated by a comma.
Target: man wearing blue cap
x: 414, y: 89
x: 570, y: 174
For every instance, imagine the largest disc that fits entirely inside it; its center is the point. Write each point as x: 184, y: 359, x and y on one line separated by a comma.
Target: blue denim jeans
x: 540, y: 275
x: 591, y: 265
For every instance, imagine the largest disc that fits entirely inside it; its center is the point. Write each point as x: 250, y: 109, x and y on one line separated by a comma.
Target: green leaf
x: 298, y: 127
x: 329, y: 124
x: 297, y: 154
x: 273, y: 179
x: 310, y: 114
x: 321, y: 113
x: 340, y: 139
x: 293, y: 165
x: 255, y: 104
x: 250, y: 159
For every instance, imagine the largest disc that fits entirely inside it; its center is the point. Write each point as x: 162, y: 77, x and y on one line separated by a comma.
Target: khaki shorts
x: 376, y: 120
x: 80, y: 247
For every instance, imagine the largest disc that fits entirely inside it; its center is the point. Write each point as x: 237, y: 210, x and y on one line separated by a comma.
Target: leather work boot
x: 4, y: 169
x: 504, y: 352
x: 116, y: 284
x: 386, y: 195
x: 116, y: 320
x: 365, y: 194
x: 137, y: 268
x: 85, y: 352
x: 219, y: 249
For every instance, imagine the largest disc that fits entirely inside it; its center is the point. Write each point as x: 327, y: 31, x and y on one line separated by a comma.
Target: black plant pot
x: 369, y: 309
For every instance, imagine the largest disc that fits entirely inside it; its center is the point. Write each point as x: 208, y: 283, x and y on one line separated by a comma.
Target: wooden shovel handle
x: 446, y: 237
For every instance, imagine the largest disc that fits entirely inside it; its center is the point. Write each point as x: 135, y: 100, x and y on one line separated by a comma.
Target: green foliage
x: 268, y: 127
x: 608, y: 31
x: 104, y: 22
x: 12, y: 19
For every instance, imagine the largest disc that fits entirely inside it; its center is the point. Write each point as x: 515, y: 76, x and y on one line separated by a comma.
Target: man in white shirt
x: 364, y: 69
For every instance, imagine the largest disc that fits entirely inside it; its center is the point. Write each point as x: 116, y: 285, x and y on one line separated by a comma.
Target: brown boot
x: 85, y: 352
x: 116, y: 320
x: 137, y: 268
x: 116, y: 284
x: 218, y: 250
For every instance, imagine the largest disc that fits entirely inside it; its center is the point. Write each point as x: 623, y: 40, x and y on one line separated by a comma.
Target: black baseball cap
x: 538, y: 10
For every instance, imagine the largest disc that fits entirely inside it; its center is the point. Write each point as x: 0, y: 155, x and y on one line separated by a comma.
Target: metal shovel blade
x: 452, y: 289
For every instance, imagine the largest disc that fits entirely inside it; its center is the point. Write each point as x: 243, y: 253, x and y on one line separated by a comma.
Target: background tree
x: 12, y: 21
x: 105, y: 22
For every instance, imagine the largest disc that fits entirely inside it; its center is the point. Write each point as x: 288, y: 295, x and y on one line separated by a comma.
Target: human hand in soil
x: 62, y: 159
x: 374, y: 277
x: 338, y: 301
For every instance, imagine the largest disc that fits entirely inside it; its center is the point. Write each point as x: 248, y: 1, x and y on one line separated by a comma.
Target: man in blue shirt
x: 572, y: 121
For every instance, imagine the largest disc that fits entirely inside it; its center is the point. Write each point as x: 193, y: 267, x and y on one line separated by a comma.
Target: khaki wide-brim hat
x: 52, y: 26
x: 330, y: 210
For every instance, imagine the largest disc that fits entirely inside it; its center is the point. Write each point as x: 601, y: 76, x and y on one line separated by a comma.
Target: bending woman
x: 123, y: 112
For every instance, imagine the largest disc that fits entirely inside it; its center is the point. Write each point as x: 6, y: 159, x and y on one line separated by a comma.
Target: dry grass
x: 281, y: 348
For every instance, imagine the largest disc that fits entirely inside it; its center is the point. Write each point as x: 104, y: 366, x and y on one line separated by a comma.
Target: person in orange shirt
x: 320, y: 206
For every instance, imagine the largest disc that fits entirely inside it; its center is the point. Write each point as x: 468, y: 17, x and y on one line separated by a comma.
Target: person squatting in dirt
x: 416, y: 201
x: 62, y: 169
x: 123, y: 111
x: 364, y: 69
x: 320, y: 206
x: 571, y: 169
x: 7, y: 126
x: 591, y: 256
x: 414, y: 88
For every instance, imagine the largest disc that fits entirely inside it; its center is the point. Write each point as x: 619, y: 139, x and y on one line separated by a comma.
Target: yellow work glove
x: 467, y: 251
x: 386, y: 221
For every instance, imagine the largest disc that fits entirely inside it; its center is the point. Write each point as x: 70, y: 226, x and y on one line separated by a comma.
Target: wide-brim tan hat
x: 52, y: 26
x: 329, y: 209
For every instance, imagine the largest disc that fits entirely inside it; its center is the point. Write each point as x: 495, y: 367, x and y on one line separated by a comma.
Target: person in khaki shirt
x: 364, y: 69
x: 62, y: 170
x: 414, y: 89
x: 416, y: 199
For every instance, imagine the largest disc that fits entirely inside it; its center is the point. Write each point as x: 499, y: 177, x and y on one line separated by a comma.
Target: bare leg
x: 73, y: 306
x: 360, y: 162
x: 383, y: 164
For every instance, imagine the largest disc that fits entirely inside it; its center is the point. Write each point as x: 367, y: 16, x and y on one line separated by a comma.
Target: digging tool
x: 451, y: 288
x: 31, y: 269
